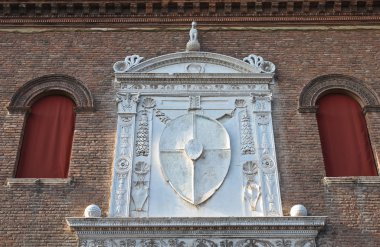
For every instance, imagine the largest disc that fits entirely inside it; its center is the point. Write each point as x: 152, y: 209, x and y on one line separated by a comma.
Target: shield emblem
x: 195, y: 156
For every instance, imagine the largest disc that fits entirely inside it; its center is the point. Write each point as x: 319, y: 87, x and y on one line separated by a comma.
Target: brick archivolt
x: 337, y: 83
x: 52, y: 84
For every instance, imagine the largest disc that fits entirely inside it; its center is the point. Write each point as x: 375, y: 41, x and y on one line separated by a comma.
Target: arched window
x: 344, y: 137
x: 47, y: 140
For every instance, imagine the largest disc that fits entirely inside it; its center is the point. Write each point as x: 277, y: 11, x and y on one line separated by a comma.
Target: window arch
x: 340, y: 103
x: 344, y: 137
x: 47, y: 140
x: 49, y: 104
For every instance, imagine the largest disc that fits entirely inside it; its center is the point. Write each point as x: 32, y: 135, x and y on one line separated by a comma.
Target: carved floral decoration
x: 128, y: 63
x: 259, y: 63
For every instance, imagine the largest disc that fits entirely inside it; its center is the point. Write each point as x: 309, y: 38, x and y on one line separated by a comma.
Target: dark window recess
x: 344, y: 137
x: 47, y: 140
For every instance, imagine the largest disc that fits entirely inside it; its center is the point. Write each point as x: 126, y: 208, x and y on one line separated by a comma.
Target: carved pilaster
x: 267, y: 155
x: 142, y: 166
x: 121, y: 181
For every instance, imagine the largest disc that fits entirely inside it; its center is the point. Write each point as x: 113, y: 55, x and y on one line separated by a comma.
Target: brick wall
x: 34, y: 215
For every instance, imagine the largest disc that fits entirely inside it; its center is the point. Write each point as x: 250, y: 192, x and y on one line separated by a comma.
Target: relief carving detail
x: 141, y: 186
x: 127, y: 102
x: 195, y: 157
x: 142, y: 138
x: 246, y: 139
x: 252, y: 189
x: 204, y: 243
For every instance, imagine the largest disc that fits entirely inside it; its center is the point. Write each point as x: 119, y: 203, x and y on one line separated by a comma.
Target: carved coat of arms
x: 195, y: 156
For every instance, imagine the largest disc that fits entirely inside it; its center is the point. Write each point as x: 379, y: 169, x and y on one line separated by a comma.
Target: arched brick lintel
x: 51, y: 84
x: 336, y: 82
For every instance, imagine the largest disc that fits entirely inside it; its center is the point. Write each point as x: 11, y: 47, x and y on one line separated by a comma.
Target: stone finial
x: 193, y: 44
x: 298, y: 210
x: 92, y: 211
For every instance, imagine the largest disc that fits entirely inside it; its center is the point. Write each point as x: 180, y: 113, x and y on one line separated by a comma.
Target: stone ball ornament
x: 298, y: 210
x: 92, y: 211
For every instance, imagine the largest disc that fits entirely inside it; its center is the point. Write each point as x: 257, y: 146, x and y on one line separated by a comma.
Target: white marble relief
x: 140, y: 190
x: 252, y: 188
x: 195, y: 156
x: 186, y: 88
x: 161, y: 115
x: 127, y: 102
x: 246, y: 137
x: 142, y: 162
x: 200, y: 118
x: 200, y: 242
x: 194, y: 102
x: 128, y: 63
x: 204, y: 159
x: 195, y: 68
x: 142, y: 137
x: 259, y: 63
x: 120, y: 196
x: 148, y: 103
x: 240, y: 103
x: 262, y: 101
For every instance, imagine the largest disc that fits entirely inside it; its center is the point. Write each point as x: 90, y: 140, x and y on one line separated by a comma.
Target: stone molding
x: 38, y: 181
x: 197, y: 232
x: 373, y: 180
x: 335, y: 82
x: 51, y: 84
x: 194, y: 57
x: 235, y: 226
x: 201, y: 79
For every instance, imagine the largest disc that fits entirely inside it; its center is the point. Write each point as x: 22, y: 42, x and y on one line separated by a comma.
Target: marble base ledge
x: 38, y: 181
x: 197, y: 232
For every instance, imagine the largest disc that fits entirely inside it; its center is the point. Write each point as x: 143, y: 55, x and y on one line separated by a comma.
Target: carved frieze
x: 124, y: 242
x: 200, y: 232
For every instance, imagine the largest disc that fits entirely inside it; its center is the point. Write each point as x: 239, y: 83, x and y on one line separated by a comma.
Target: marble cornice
x: 187, y: 78
x: 224, y: 226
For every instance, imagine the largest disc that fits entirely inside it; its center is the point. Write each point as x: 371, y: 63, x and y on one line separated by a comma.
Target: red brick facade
x: 34, y: 214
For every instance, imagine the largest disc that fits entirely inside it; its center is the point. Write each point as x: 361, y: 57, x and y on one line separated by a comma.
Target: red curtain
x: 47, y: 141
x: 344, y: 137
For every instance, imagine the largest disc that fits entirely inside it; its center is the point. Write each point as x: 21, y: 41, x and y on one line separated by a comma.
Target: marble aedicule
x: 195, y: 161
x: 196, y: 135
